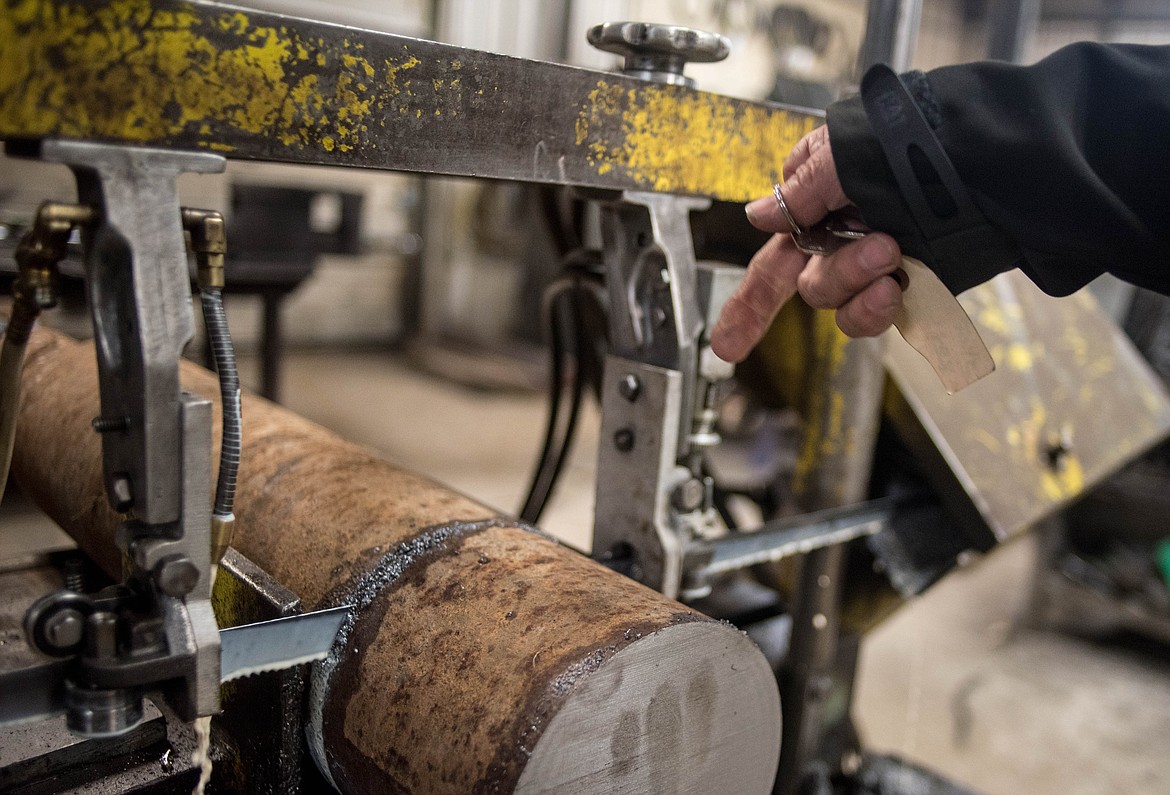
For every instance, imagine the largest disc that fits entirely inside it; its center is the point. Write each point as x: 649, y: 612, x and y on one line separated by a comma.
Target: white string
x: 201, y: 755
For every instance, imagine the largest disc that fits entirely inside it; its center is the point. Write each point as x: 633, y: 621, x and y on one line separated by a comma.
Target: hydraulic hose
x: 224, y: 357
x: 209, y: 242
x: 16, y: 334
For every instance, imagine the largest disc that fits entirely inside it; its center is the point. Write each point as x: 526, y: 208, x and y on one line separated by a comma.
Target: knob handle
x: 658, y: 52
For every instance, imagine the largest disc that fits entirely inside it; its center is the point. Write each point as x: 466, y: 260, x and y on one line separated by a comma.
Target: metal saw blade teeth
x: 263, y: 669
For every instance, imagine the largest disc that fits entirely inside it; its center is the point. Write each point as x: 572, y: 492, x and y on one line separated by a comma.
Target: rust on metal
x: 472, y: 632
x: 255, y: 85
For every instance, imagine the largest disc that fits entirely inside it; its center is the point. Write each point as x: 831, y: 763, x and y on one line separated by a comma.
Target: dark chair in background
x: 273, y: 247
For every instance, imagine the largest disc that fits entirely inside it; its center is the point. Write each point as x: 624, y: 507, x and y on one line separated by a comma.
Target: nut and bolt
x: 64, y: 630
x: 688, y: 495
x: 630, y: 387
x: 176, y: 576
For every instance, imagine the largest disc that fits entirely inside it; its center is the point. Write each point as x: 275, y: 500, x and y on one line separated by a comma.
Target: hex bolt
x: 64, y: 630
x: 176, y: 575
x: 623, y: 440
x: 688, y: 495
x: 630, y: 387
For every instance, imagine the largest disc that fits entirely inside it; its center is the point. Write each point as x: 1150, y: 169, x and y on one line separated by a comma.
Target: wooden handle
x: 934, y: 324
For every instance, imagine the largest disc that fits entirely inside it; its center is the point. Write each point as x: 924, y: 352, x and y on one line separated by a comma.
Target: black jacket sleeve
x: 1068, y: 159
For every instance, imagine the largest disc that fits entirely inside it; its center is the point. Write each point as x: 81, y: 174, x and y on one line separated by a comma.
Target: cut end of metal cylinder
x: 692, y: 707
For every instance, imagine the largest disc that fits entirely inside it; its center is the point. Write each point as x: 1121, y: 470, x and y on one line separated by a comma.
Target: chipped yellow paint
x: 983, y: 437
x: 172, y: 74
x: 992, y: 318
x: 669, y: 136
x: 151, y: 74
x: 1039, y: 413
x: 1101, y: 366
x: 825, y: 433
x: 1064, y: 483
x: 1018, y: 357
x: 1076, y: 344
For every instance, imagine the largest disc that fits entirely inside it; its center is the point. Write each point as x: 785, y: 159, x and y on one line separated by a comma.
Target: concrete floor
x: 954, y: 680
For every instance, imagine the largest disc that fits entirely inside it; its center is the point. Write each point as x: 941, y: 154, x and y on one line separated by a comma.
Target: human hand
x: 858, y: 280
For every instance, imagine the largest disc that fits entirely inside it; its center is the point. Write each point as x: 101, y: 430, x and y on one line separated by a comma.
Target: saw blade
x: 280, y: 643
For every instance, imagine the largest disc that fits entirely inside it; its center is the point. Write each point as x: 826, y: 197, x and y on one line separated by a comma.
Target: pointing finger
x: 769, y: 283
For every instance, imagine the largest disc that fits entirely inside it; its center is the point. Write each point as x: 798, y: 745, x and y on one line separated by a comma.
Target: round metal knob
x: 658, y: 52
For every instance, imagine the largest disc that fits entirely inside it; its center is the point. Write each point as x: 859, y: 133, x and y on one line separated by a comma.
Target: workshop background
x: 411, y: 324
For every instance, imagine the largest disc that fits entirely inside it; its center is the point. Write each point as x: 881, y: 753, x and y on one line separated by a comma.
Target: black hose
x: 224, y: 357
x: 564, y: 307
x: 552, y: 448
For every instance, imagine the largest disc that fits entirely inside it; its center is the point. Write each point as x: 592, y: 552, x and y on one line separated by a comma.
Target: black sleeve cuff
x: 869, y: 183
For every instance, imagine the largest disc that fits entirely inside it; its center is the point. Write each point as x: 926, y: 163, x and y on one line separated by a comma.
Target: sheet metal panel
x: 1070, y: 402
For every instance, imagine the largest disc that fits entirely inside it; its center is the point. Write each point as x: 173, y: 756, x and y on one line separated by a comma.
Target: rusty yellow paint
x: 825, y: 433
x: 169, y: 73
x: 682, y: 141
x: 157, y: 79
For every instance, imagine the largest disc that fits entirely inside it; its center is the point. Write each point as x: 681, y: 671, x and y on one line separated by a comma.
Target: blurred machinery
x: 475, y: 654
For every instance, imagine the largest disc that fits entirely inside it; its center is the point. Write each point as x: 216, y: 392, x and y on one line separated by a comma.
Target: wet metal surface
x: 255, y: 85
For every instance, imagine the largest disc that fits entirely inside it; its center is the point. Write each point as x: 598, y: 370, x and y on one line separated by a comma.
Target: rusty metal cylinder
x: 483, y: 656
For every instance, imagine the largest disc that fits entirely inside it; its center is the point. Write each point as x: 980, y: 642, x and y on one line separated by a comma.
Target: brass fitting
x: 209, y: 242
x: 222, y: 530
x: 40, y: 250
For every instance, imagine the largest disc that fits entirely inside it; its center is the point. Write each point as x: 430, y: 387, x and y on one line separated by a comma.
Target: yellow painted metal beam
x: 261, y: 86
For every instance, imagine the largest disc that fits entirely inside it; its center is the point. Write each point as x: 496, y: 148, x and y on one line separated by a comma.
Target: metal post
x: 1011, y: 24
x: 891, y: 33
x: 841, y: 420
